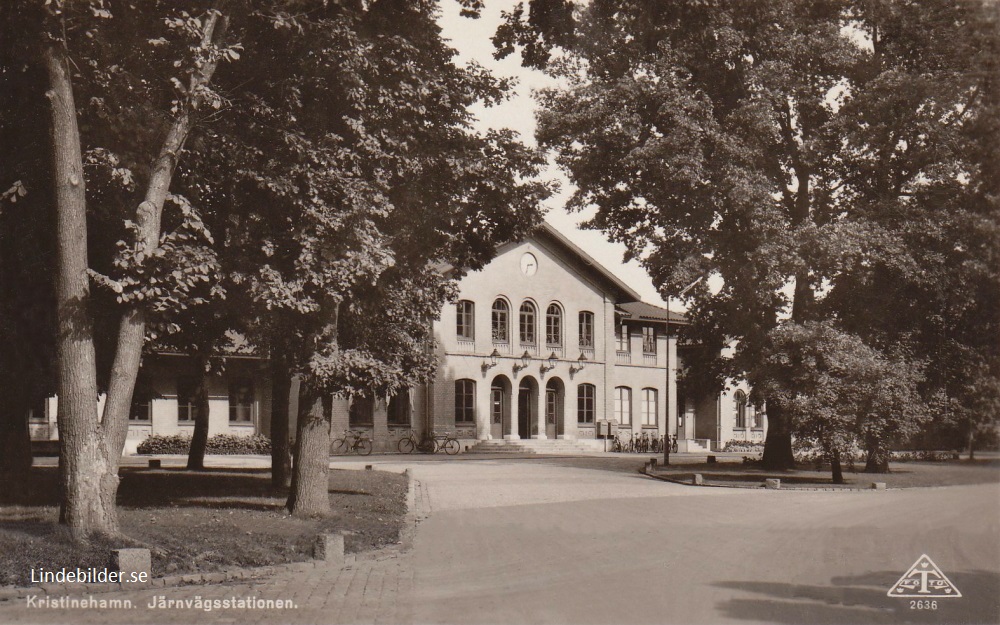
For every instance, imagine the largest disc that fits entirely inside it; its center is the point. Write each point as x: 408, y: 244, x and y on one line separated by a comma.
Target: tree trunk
x: 199, y: 438
x: 88, y: 483
x: 281, y: 458
x: 838, y: 473
x: 778, y: 444
x: 972, y: 441
x: 310, y: 494
x: 876, y: 458
x: 15, y: 445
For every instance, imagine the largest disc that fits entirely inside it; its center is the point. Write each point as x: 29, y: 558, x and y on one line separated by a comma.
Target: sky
x: 472, y: 40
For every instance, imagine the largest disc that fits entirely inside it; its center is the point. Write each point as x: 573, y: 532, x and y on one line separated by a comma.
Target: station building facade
x: 542, y: 344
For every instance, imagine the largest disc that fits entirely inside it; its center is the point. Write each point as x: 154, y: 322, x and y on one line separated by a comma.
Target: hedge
x: 220, y: 444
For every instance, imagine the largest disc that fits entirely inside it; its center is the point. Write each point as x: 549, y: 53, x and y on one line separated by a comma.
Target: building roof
x: 648, y: 312
x: 628, y: 292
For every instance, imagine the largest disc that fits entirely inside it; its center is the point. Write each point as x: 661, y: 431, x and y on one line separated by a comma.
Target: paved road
x: 551, y: 541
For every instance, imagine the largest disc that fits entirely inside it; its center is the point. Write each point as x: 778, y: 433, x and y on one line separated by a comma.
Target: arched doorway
x: 555, y: 393
x: 527, y: 402
x: 499, y: 407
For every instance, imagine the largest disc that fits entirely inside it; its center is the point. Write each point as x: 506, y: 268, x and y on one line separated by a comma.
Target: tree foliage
x: 824, y: 160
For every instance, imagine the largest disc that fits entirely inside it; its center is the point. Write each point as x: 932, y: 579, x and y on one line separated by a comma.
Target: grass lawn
x: 200, y: 521
x: 901, y: 475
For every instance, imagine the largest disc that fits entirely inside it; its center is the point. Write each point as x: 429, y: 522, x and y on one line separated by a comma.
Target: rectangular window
x: 361, y: 412
x: 465, y: 401
x: 185, y: 399
x: 587, y: 330
x: 464, y: 319
x: 623, y: 405
x: 755, y: 419
x: 621, y: 338
x: 585, y: 403
x: 551, y: 406
x: 140, y: 411
x: 649, y: 406
x: 241, y: 400
x: 37, y: 411
x: 648, y: 340
x: 399, y: 409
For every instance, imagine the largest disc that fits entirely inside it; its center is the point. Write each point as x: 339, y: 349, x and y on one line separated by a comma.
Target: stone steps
x: 535, y: 446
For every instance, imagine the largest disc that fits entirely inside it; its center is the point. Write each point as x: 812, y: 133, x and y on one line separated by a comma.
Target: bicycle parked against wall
x: 429, y: 444
x: 353, y: 441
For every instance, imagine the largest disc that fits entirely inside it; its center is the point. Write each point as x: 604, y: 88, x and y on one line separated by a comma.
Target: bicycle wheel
x: 338, y: 446
x: 364, y: 447
x: 452, y: 446
x: 405, y: 446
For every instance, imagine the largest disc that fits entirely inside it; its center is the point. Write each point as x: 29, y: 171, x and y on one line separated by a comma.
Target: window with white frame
x: 648, y: 340
x: 623, y: 405
x: 621, y: 338
x: 185, y: 399
x: 585, y: 403
x: 649, y: 406
x: 553, y: 326
x: 741, y: 410
x: 526, y: 323
x: 465, y: 319
x: 465, y: 401
x: 586, y: 329
x: 500, y: 321
x: 241, y: 400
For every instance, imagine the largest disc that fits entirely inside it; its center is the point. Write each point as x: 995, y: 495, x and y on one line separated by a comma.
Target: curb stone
x: 852, y: 489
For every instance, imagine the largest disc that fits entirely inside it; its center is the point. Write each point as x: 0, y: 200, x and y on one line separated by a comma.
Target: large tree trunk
x: 835, y: 468
x: 148, y: 218
x: 199, y: 438
x: 876, y: 457
x: 778, y: 454
x: 15, y: 444
x: 310, y: 494
x: 88, y: 487
x: 281, y: 457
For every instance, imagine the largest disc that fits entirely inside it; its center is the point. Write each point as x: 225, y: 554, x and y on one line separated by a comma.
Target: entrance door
x: 552, y: 410
x: 496, y: 412
x: 524, y: 412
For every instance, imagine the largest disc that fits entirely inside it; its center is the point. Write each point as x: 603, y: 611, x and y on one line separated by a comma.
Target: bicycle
x: 352, y: 441
x: 429, y: 444
x: 410, y: 443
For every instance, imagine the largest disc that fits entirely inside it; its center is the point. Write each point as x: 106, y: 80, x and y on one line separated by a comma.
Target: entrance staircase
x: 536, y: 446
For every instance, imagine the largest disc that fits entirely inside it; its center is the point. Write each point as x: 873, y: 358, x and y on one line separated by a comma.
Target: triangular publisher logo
x: 924, y: 579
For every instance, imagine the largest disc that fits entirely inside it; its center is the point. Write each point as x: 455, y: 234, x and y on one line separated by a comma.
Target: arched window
x: 585, y: 403
x: 586, y: 329
x: 650, y: 403
x: 741, y: 410
x: 465, y: 401
x: 623, y: 405
x: 465, y: 319
x: 553, y: 326
x: 501, y: 321
x: 527, y: 323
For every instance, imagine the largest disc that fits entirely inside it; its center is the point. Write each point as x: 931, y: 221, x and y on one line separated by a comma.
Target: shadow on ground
x: 862, y: 599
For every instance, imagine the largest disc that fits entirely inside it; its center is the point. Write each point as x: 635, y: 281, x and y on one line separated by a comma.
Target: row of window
x: 648, y: 339
x: 465, y: 326
x: 241, y: 402
x: 500, y: 318
x: 586, y: 397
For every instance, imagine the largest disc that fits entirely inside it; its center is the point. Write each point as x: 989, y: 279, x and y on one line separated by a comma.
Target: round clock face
x: 529, y: 264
